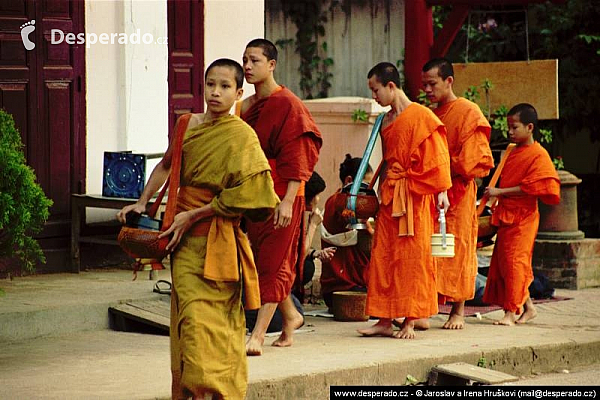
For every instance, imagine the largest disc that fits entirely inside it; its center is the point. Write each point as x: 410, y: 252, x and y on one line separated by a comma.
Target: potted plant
x: 24, y: 208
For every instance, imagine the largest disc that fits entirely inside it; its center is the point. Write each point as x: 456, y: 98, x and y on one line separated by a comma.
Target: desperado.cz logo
x: 57, y: 36
x: 26, y: 30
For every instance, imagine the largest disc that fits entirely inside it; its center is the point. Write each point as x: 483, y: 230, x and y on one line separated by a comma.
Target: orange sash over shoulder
x: 227, y: 248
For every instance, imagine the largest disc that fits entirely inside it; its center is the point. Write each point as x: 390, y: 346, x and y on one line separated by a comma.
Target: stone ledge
x: 569, y: 264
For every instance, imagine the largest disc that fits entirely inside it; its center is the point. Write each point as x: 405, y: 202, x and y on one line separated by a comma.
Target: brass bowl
x: 367, y: 204
x: 485, y: 230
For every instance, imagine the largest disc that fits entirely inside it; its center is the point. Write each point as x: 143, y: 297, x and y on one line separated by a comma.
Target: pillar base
x: 574, y: 235
x: 568, y: 264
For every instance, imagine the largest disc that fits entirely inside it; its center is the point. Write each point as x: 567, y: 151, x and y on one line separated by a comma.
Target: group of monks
x: 253, y: 168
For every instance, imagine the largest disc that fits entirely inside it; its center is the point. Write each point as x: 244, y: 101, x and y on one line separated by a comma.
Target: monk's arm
x: 511, y: 191
x: 283, y: 212
x: 314, y: 221
x: 443, y: 201
x: 183, y: 221
x: 159, y: 175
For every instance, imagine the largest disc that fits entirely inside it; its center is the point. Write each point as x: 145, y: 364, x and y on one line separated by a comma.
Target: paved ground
x: 56, y: 344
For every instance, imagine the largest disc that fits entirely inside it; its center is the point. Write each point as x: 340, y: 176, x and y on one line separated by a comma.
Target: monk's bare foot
x: 421, y: 324
x: 529, y: 312
x: 383, y: 327
x: 508, y: 319
x: 286, y: 339
x: 455, y: 321
x: 407, y: 330
x: 254, y: 346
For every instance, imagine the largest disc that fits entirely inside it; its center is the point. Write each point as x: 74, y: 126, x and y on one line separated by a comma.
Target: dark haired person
x: 291, y: 142
x: 224, y: 175
x: 346, y: 270
x: 528, y: 175
x: 401, y: 278
x: 468, y: 135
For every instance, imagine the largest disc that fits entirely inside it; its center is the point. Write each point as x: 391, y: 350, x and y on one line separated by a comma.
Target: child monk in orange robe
x: 527, y: 175
x: 468, y: 134
x: 401, y: 273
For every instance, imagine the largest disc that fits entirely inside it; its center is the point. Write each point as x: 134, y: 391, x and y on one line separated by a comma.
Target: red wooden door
x: 186, y: 57
x: 44, y: 90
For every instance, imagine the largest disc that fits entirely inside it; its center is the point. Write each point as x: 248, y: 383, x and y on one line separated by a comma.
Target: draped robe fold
x: 517, y: 218
x: 222, y: 164
x: 291, y: 142
x: 468, y: 135
x: 401, y: 273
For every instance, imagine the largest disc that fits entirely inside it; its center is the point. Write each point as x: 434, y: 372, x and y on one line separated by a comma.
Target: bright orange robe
x: 401, y: 274
x: 517, y: 218
x: 468, y: 134
x: 347, y: 269
x: 291, y: 141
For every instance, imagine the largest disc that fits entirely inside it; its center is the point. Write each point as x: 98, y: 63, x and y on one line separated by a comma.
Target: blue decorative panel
x: 124, y: 174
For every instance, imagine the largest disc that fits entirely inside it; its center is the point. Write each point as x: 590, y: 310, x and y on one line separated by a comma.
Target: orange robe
x: 517, y: 218
x: 347, y: 269
x: 291, y: 141
x: 468, y: 135
x: 401, y: 274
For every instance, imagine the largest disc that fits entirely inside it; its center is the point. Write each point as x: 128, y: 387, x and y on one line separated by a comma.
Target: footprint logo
x: 26, y: 29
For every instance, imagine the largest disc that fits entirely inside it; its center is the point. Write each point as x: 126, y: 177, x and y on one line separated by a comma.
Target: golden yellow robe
x: 222, y: 163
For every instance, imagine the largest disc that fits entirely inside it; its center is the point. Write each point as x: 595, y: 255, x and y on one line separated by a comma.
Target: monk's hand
x: 442, y: 201
x: 326, y: 254
x: 137, y: 208
x: 283, y: 214
x: 491, y: 192
x: 316, y: 217
x: 181, y: 223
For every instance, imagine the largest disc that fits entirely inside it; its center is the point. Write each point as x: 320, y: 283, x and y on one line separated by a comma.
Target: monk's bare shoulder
x: 247, y: 103
x: 195, y: 120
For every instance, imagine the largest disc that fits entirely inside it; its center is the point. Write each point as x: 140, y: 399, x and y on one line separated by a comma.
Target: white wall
x: 105, y: 78
x: 126, y: 84
x: 229, y: 26
x: 127, y: 88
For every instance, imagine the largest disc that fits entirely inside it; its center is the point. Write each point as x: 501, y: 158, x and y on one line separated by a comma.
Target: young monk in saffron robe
x: 224, y: 175
x: 528, y: 174
x: 347, y: 269
x: 291, y: 141
x: 401, y: 274
x: 468, y: 135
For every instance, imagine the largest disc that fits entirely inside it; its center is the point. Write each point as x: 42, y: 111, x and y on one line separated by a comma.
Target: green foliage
x: 422, y: 98
x: 309, y: 18
x: 472, y: 93
x: 500, y: 121
x: 410, y: 380
x: 589, y: 39
x: 360, y: 115
x: 558, y: 162
x: 23, y: 204
x: 567, y: 31
x: 482, y: 362
x: 546, y: 136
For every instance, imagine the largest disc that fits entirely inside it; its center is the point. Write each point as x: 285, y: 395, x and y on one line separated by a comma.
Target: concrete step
x: 57, y: 304
x: 74, y: 357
